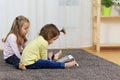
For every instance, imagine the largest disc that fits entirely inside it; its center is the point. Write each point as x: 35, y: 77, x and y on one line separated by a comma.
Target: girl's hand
x: 58, y: 55
x: 50, y: 54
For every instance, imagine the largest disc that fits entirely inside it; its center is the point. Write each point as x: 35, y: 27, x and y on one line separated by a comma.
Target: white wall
x: 76, y: 21
x: 12, y: 8
x: 73, y: 15
x: 110, y: 28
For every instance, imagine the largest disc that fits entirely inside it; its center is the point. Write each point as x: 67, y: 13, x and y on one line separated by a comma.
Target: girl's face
x: 53, y: 39
x: 24, y: 29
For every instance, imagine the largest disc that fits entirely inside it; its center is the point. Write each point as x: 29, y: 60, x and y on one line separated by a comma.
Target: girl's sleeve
x: 44, y: 54
x: 12, y: 39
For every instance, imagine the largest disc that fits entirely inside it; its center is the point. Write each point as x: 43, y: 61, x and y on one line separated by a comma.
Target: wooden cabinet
x: 96, y: 25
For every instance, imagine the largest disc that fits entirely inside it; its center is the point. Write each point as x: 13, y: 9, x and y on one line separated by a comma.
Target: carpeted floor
x: 91, y: 68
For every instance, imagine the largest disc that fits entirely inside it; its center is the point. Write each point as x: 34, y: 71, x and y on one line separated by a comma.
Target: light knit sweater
x: 35, y: 50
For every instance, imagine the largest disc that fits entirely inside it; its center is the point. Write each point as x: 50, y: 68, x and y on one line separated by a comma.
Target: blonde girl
x: 35, y: 54
x: 15, y: 40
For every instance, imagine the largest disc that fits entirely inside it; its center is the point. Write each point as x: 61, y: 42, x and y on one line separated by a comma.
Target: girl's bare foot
x: 22, y: 66
x: 70, y: 64
x: 58, y: 55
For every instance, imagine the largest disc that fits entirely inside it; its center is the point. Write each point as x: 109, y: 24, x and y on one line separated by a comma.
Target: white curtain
x: 73, y: 15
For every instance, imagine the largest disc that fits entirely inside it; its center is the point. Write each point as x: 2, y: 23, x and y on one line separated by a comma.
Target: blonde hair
x: 50, y: 31
x: 16, y: 29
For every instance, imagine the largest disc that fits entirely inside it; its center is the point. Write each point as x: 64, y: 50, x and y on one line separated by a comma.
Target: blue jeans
x: 14, y: 60
x: 44, y: 64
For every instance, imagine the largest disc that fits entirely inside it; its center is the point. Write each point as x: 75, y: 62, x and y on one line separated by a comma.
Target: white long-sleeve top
x: 10, y: 47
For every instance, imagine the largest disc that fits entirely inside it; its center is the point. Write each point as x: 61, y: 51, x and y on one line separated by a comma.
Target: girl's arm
x: 44, y: 53
x: 13, y: 44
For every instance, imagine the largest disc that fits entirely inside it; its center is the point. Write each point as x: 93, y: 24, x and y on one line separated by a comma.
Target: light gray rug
x: 91, y: 68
